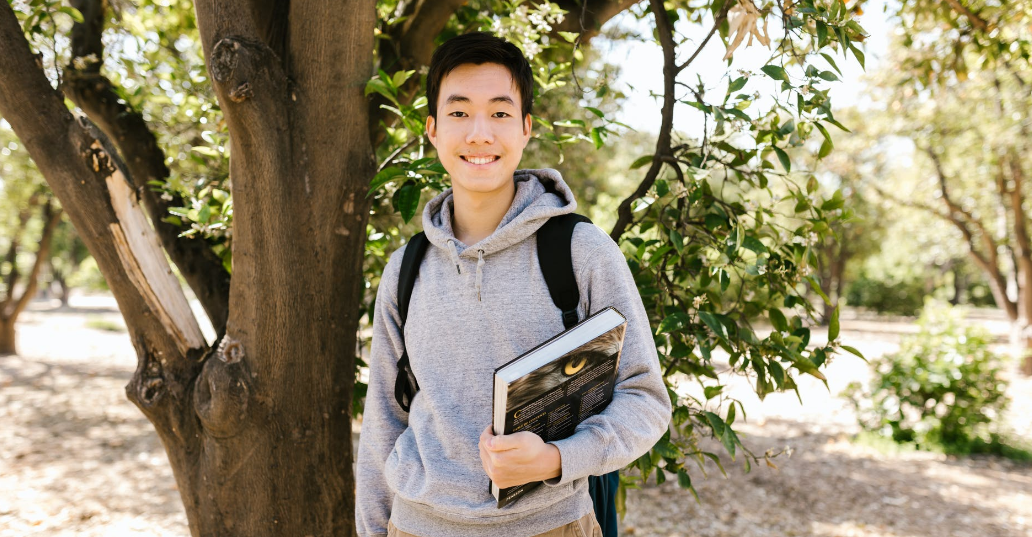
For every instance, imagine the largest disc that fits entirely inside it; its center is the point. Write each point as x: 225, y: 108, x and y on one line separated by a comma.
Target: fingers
x: 521, y: 440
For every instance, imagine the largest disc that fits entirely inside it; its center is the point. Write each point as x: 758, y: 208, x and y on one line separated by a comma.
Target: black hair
x: 479, y: 48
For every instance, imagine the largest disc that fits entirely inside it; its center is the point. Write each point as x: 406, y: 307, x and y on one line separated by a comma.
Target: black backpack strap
x: 405, y: 386
x: 556, y: 260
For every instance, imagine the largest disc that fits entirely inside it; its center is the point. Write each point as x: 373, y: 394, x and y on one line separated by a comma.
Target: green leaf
x: 677, y: 240
x: 569, y: 36
x: 817, y: 289
x: 730, y: 414
x: 596, y: 137
x: 824, y: 131
x: 778, y: 320
x: 854, y: 352
x: 174, y: 220
x: 376, y: 85
x: 595, y: 111
x: 775, y: 71
x: 729, y: 439
x: 714, y: 324
x: 72, y: 12
x: 786, y: 163
x: 825, y: 149
x: 833, y: 325
x: 400, y: 77
x: 683, y: 480
x: 641, y: 161
x: 752, y: 243
x: 828, y: 75
x: 715, y: 422
x: 822, y: 34
x: 662, y: 189
x: 674, y: 322
x: 407, y: 200
x: 667, y: 450
x: 787, y: 128
x: 737, y: 84
x: 712, y: 391
x: 385, y: 176
x: 831, y: 62
x: 205, y: 150
x: 859, y: 56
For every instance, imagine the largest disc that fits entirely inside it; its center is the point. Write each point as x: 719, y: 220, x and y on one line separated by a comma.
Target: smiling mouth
x: 480, y: 160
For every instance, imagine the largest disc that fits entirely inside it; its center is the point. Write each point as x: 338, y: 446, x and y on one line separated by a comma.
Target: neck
x: 476, y: 215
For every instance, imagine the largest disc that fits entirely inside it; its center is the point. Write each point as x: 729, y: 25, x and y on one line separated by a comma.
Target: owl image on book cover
x: 581, y: 379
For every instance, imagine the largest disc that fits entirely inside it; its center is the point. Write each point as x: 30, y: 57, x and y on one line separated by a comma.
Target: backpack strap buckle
x: 570, y: 318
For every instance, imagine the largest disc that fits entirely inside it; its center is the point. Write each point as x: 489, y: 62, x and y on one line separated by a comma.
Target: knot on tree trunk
x: 236, y: 63
x: 221, y: 392
x: 148, y: 385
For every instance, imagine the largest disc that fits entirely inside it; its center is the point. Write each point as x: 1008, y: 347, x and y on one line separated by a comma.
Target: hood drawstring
x: 454, y: 255
x: 480, y: 272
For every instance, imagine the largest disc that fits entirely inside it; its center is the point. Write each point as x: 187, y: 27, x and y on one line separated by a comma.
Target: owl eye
x: 575, y: 364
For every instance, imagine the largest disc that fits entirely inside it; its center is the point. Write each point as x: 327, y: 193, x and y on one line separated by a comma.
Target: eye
x: 457, y: 114
x: 501, y: 114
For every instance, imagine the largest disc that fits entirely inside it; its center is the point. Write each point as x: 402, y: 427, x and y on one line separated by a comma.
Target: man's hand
x: 515, y: 459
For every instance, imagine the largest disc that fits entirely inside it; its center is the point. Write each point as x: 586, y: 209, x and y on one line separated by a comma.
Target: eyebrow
x: 464, y: 99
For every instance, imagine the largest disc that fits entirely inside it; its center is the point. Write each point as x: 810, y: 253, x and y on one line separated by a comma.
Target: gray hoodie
x: 473, y: 309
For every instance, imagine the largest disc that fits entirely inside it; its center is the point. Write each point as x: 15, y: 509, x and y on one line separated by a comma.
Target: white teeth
x: 480, y: 160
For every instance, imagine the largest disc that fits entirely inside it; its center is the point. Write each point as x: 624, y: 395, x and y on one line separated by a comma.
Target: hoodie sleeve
x: 383, y: 420
x: 640, y: 411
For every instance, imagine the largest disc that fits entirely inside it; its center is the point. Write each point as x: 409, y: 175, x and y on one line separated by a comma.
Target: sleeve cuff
x: 581, y: 455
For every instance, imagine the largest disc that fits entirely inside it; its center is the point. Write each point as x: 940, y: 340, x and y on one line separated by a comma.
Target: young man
x: 481, y: 300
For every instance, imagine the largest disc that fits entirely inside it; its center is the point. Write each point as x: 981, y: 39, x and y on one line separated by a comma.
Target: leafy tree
x: 942, y: 107
x: 29, y: 215
x: 719, y: 228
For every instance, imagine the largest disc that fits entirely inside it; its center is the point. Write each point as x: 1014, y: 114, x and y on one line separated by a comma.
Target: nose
x: 480, y: 131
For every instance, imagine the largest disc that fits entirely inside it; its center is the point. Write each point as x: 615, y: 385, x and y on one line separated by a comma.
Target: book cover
x: 564, y: 388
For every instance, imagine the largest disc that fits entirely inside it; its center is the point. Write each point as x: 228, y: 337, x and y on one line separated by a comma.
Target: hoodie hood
x: 540, y: 195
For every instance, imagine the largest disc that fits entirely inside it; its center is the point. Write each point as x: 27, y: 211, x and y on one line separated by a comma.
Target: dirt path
x: 76, y: 458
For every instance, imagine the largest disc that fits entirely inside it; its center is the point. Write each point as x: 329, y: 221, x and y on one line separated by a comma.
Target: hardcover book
x: 553, y: 387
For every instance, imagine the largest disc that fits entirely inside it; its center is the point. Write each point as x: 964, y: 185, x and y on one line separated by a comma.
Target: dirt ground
x: 76, y: 458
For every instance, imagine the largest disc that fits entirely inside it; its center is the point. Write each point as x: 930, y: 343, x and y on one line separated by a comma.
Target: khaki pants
x: 586, y: 526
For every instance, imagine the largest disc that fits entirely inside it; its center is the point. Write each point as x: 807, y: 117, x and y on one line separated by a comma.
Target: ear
x: 527, y: 124
x: 431, y: 130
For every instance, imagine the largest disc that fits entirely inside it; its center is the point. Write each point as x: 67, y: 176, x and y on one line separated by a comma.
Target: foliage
x: 725, y: 233
x: 904, y: 297
x: 944, y: 388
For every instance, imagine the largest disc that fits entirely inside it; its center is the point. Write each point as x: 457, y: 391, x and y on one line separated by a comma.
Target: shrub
x: 943, y: 389
x: 894, y: 297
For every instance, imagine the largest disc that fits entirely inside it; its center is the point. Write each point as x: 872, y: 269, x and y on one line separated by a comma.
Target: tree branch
x: 720, y: 18
x: 95, y: 95
x: 83, y: 172
x: 587, y: 17
x: 666, y: 40
x: 12, y: 251
x: 976, y: 21
x: 51, y: 217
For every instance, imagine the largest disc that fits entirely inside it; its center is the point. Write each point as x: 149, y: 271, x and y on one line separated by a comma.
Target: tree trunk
x: 62, y: 284
x: 7, y: 339
x: 257, y: 431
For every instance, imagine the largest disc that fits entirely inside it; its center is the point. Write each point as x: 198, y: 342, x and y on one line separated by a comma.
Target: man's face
x: 479, y: 132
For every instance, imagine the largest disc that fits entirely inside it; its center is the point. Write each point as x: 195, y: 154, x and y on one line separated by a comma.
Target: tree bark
x: 7, y: 337
x: 145, y: 161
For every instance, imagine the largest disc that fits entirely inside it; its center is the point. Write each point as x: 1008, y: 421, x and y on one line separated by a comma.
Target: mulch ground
x: 76, y: 458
